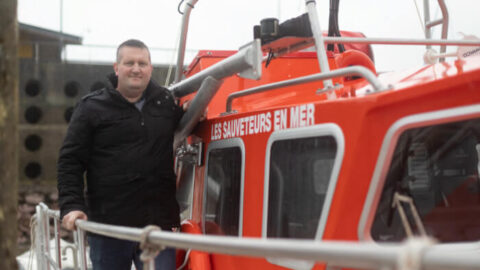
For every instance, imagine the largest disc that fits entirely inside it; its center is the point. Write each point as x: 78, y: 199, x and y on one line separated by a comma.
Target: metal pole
x: 429, y: 24
x: 77, y: 254
x: 46, y: 222
x: 319, y: 44
x: 58, y: 255
x: 149, y: 265
x: 247, y: 58
x: 183, y: 39
x: 207, y: 91
x: 426, y: 18
x: 401, y: 41
x: 335, y: 253
x: 82, y: 252
x: 445, y: 20
x: 354, y: 70
x: 39, y: 239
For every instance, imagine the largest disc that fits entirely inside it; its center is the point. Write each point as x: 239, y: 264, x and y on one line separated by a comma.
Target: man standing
x: 122, y: 137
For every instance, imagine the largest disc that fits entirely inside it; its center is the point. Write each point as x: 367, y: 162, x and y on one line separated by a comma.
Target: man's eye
x: 143, y: 64
x: 129, y: 64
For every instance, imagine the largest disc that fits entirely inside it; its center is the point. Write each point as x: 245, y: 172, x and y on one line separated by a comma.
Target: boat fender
x: 197, y: 260
x: 354, y: 58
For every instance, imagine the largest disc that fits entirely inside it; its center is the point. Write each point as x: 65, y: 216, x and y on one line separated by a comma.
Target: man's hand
x: 68, y: 220
x: 186, y: 105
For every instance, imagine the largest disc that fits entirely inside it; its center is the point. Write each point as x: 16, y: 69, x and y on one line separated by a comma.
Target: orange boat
x: 337, y: 154
x: 315, y: 160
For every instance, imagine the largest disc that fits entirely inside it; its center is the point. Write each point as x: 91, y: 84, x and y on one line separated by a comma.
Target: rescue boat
x: 315, y: 146
x: 352, y: 155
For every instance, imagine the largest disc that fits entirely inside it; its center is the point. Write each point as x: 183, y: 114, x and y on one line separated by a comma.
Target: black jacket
x: 127, y: 156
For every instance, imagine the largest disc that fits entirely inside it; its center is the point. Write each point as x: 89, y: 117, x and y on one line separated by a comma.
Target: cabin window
x: 299, y: 175
x: 437, y: 167
x: 186, y: 177
x: 223, y: 191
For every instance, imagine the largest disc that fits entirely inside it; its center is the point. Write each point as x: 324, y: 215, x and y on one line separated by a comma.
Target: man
x: 122, y: 137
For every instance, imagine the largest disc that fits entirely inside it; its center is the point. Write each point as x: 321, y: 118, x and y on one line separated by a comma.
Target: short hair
x: 133, y: 43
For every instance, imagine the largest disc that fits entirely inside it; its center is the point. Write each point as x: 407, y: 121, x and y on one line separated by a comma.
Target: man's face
x: 133, y: 70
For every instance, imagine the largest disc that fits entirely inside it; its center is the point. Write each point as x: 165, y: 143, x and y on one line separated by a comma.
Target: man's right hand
x: 68, y: 220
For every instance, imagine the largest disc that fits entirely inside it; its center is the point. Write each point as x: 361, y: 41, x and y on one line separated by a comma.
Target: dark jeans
x: 114, y: 254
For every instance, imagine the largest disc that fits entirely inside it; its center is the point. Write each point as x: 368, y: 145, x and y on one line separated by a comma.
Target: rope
x: 410, y: 257
x: 149, y: 250
x: 185, y: 260
x: 172, y: 60
x: 419, y: 16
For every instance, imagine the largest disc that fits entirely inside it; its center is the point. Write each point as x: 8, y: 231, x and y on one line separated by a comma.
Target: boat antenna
x: 333, y: 29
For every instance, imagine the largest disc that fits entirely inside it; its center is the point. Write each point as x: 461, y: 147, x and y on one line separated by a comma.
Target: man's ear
x: 115, y: 68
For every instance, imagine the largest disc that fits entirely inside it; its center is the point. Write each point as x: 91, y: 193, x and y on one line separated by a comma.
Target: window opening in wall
x: 223, y: 190
x: 300, y: 171
x: 437, y: 167
x: 186, y: 177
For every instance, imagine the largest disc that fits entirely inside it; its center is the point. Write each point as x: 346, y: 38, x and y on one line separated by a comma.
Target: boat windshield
x: 437, y: 167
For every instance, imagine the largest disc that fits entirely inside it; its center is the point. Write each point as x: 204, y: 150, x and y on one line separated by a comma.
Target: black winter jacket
x: 127, y: 156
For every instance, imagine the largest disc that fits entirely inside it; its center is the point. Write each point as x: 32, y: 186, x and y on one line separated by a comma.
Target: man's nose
x: 136, y: 67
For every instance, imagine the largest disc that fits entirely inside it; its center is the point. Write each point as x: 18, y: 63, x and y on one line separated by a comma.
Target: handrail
x: 401, y: 41
x: 335, y: 253
x: 42, y: 238
x: 42, y: 241
x: 353, y: 70
x: 418, y: 252
x: 443, y: 21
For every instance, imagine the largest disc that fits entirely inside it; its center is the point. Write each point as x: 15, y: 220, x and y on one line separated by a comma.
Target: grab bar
x: 354, y: 70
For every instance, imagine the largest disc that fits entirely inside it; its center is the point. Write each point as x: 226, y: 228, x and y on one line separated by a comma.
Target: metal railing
x: 416, y: 253
x: 41, y: 241
x: 429, y: 24
x: 348, y: 71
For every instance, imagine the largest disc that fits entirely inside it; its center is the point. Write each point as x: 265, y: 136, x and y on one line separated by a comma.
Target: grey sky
x: 227, y: 24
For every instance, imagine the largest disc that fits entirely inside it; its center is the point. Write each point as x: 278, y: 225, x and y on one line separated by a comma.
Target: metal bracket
x: 253, y: 56
x: 327, y: 89
x: 190, y: 153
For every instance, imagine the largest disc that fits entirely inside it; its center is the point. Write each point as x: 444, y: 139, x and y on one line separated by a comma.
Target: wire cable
x: 419, y: 17
x: 179, y: 5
